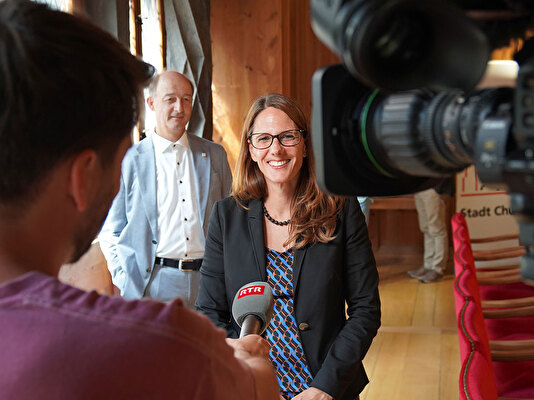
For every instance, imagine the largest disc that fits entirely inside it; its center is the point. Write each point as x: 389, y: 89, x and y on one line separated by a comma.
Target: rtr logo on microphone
x: 251, y: 290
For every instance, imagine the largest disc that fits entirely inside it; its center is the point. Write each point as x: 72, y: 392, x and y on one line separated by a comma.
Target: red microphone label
x: 250, y: 291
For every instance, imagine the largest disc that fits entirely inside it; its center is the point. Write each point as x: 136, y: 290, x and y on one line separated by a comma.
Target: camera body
x: 377, y: 144
x: 403, y: 113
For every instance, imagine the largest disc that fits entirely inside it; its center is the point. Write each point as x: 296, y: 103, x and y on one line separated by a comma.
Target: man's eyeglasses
x: 288, y: 138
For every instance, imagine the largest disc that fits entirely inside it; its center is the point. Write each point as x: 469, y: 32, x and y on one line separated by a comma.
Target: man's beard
x: 87, y: 232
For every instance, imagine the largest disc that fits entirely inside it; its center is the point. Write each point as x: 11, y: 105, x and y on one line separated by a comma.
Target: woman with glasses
x: 312, y: 248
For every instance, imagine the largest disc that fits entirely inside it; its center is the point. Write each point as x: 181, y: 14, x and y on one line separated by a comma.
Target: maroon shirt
x: 58, y: 342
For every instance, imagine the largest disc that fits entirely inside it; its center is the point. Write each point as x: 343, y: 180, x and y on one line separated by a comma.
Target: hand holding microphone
x: 249, y: 346
x: 253, y: 308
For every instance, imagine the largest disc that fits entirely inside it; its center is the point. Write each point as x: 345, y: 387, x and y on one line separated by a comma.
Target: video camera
x: 402, y: 112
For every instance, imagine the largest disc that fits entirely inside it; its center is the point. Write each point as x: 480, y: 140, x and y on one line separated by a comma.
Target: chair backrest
x: 502, y: 344
x: 476, y: 381
x: 497, y: 252
x: 463, y: 258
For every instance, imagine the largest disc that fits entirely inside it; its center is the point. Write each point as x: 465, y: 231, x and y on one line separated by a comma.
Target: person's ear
x: 150, y: 103
x: 83, y: 176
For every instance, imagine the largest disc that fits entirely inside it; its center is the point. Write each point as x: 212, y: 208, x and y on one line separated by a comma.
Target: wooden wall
x: 268, y: 46
x: 260, y: 47
x: 247, y: 55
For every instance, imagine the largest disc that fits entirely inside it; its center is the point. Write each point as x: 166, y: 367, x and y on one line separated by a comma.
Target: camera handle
x: 519, y: 169
x: 504, y: 154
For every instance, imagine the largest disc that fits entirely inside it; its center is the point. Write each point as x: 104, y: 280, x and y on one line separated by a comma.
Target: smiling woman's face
x: 280, y: 165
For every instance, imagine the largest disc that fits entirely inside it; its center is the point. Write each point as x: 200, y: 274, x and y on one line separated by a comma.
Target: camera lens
x: 390, y: 48
x: 403, y: 44
x: 373, y: 143
x: 421, y: 133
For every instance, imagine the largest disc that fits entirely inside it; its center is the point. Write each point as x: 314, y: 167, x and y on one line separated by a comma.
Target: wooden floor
x: 415, y: 355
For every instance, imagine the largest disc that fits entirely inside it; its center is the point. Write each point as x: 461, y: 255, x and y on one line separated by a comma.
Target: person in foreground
x: 313, y: 250
x: 70, y: 95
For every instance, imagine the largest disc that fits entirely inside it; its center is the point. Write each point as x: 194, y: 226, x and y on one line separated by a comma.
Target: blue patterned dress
x: 286, y: 352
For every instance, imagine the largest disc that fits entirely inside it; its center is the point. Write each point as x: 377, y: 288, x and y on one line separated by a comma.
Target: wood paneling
x: 247, y: 63
x: 163, y: 28
x: 303, y: 52
x: 260, y: 47
x: 394, y: 231
x: 396, y: 236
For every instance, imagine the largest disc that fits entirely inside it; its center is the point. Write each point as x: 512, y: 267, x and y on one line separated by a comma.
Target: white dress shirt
x: 180, y: 232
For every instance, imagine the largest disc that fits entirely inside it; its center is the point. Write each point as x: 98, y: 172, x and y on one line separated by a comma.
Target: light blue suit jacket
x: 128, y: 238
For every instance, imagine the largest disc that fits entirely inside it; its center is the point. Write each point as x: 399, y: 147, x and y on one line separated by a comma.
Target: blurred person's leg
x: 435, y: 231
x: 428, y: 245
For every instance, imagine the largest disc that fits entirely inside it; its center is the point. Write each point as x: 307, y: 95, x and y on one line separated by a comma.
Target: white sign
x: 486, y: 211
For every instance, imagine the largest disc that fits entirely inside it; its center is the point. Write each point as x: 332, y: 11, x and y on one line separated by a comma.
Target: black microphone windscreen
x: 255, y: 298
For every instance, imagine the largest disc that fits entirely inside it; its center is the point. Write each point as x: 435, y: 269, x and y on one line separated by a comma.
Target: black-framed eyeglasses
x: 287, y: 138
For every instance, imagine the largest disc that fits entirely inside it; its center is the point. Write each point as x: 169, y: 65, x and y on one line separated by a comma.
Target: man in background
x: 431, y: 214
x: 153, y: 238
x: 69, y: 97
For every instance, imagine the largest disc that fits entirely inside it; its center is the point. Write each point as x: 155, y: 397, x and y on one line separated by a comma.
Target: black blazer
x: 325, y: 275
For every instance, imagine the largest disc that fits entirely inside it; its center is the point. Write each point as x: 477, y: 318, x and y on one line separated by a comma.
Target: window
x: 63, y: 5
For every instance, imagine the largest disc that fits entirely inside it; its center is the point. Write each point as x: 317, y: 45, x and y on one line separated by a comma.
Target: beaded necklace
x: 280, y: 223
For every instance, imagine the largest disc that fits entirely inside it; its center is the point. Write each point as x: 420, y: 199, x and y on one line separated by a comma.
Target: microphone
x: 253, y: 308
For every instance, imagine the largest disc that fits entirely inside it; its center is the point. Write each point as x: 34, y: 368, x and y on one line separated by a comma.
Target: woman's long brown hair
x: 313, y: 213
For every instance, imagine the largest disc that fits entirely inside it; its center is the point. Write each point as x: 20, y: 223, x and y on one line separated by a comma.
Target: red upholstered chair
x: 501, y: 280
x: 476, y: 381
x: 499, y: 252
x: 494, y: 341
